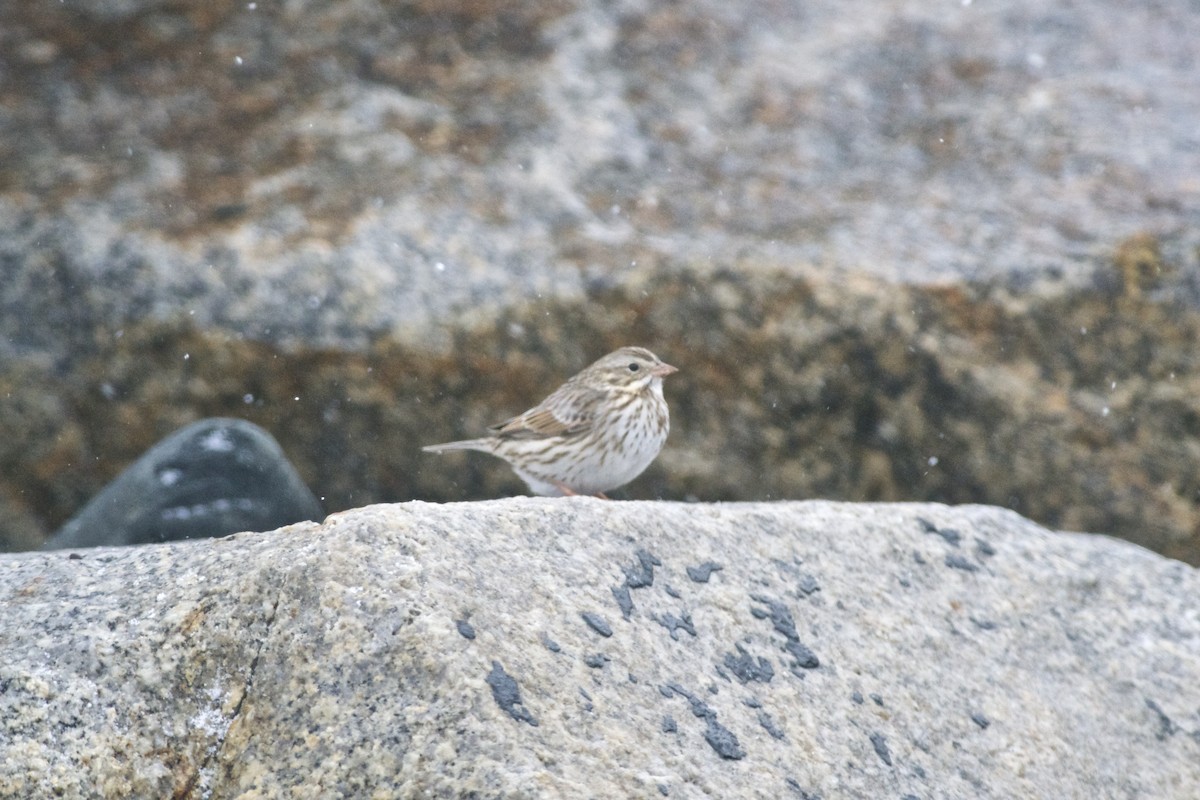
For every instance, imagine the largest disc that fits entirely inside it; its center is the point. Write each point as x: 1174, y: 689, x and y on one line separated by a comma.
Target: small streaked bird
x: 597, y: 431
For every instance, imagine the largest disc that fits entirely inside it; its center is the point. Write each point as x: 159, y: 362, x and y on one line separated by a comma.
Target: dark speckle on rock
x: 984, y: 547
x: 664, y: 790
x: 959, y: 562
x: 669, y: 725
x: 642, y: 573
x: 917, y: 557
x: 778, y: 613
x: 672, y: 591
x: 465, y: 628
x: 507, y: 695
x: 877, y: 698
x: 551, y: 645
x: 795, y: 786
x: 1166, y: 727
x: 624, y: 601
x: 702, y: 573
x: 805, y: 658
x: 717, y: 735
x: 75, y: 557
x: 879, y: 742
x: 857, y: 698
x: 723, y: 740
x: 745, y: 668
x: 752, y: 702
x: 675, y: 624
x: 699, y: 707
x: 951, y: 535
x: 596, y: 623
x: 769, y: 725
x: 808, y: 584
x: 983, y: 624
x: 596, y: 660
x: 980, y: 720
x: 783, y: 623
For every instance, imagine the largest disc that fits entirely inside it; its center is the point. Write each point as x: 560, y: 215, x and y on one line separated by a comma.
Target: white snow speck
x: 176, y: 513
x: 170, y: 477
x: 933, y: 461
x: 211, y: 722
x: 218, y: 441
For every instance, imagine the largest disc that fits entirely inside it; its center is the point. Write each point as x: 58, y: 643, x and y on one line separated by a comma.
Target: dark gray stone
x: 213, y: 478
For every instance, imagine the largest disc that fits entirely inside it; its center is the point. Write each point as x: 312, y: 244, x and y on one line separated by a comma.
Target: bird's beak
x: 663, y: 370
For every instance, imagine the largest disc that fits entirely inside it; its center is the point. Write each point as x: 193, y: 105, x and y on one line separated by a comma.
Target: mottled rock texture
x: 901, y: 251
x: 582, y: 648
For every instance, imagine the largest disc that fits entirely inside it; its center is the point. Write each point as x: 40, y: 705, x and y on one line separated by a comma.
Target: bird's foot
x: 569, y: 492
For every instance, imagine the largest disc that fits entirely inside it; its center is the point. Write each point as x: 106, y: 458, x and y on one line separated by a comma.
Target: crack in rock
x: 213, y: 754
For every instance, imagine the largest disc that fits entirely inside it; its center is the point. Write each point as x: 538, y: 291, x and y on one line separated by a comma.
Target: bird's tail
x: 467, y: 444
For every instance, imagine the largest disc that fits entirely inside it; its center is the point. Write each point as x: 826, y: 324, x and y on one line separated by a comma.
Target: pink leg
x: 569, y: 492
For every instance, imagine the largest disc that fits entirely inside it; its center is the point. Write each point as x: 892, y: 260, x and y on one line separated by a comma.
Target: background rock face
x: 901, y: 252
x: 580, y: 648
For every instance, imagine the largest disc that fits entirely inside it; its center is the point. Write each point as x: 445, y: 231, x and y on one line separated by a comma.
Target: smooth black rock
x: 213, y: 478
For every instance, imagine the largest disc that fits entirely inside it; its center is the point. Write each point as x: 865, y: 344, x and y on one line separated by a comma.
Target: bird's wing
x: 561, y: 414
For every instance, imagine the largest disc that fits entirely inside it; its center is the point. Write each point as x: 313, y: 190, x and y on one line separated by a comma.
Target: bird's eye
x: 634, y: 367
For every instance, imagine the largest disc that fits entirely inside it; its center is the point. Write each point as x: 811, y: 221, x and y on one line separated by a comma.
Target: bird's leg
x: 569, y: 492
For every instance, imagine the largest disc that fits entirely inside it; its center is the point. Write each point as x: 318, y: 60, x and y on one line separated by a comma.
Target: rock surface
x: 579, y: 648
x: 901, y: 251
x: 398, y: 168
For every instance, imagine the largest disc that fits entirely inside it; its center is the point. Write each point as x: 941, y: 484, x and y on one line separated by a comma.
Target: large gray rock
x: 394, y: 168
x: 901, y: 251
x: 580, y: 648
